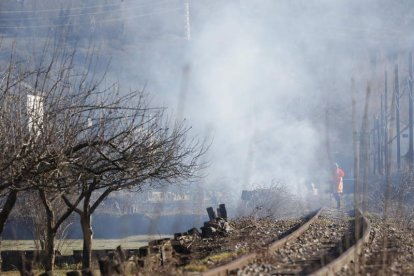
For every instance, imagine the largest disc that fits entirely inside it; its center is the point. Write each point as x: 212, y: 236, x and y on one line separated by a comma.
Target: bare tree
x: 65, y: 136
x: 139, y: 146
x: 44, y: 114
x: 17, y: 157
x: 29, y: 209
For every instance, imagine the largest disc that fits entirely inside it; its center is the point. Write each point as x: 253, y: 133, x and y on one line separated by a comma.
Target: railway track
x: 389, y: 251
x: 321, y: 246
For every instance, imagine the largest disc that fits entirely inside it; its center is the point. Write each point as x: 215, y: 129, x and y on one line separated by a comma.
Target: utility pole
x: 410, y: 110
x: 377, y: 126
x: 187, y: 20
x: 397, y: 115
x: 386, y: 124
x: 381, y: 133
x: 374, y: 147
x: 355, y: 144
x: 364, y: 149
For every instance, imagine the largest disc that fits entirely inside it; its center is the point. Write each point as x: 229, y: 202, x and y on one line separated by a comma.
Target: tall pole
x: 410, y: 111
x: 377, y: 127
x: 187, y: 20
x: 374, y: 146
x: 381, y: 131
x: 370, y: 159
x: 364, y: 149
x: 385, y: 123
x: 397, y: 115
x: 355, y: 145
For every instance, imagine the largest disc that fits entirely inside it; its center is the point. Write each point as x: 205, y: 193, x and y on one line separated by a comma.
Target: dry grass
x: 69, y: 245
x: 56, y: 272
x: 196, y: 268
x: 222, y: 257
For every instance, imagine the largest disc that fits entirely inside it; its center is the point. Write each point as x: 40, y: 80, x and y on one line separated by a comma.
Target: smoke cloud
x: 270, y: 81
x: 267, y: 81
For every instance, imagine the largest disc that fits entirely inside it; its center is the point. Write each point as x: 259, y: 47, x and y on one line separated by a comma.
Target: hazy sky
x: 258, y: 77
x: 262, y: 75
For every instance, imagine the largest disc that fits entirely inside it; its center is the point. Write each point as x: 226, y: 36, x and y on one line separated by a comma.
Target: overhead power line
x: 78, y: 8
x: 133, y: 7
x: 97, y: 21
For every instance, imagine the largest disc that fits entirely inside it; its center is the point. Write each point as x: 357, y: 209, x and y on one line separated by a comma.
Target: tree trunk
x: 5, y: 212
x: 49, y: 258
x: 50, y: 250
x: 8, y: 206
x: 87, y: 240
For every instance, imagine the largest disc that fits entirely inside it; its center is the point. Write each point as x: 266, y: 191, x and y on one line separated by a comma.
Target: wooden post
x: 381, y: 130
x: 163, y: 257
x: 374, y: 148
x: 377, y: 126
x: 397, y: 115
x: 355, y: 145
x: 218, y: 213
x: 223, y: 211
x: 410, y: 110
x: 364, y: 150
x: 211, y: 214
x: 385, y: 122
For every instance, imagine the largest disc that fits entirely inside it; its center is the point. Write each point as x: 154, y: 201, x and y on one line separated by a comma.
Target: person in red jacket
x: 339, y: 181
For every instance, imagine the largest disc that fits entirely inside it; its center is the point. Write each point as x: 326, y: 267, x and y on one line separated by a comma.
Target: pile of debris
x: 217, y: 226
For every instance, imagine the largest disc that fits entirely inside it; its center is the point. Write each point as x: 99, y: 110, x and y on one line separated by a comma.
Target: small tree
x: 139, y: 147
x: 69, y: 101
x: 68, y: 138
x: 45, y: 107
x: 29, y: 208
x: 19, y: 155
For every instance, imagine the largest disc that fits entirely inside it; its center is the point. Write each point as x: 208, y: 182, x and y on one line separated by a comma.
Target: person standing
x: 339, y: 179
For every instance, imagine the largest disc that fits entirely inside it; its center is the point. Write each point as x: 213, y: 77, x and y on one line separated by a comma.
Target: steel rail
x: 350, y: 254
x: 245, y: 259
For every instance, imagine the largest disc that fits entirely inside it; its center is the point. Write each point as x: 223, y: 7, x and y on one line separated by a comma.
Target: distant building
x: 158, y: 196
x: 35, y: 112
